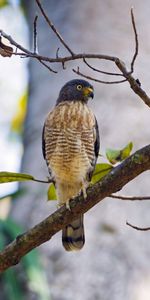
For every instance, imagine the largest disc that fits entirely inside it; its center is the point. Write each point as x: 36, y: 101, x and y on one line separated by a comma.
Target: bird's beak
x: 89, y: 92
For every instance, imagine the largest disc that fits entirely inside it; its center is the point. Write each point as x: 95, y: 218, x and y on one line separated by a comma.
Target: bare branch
x: 100, y: 71
x: 134, y: 83
x: 111, y: 183
x: 138, y: 228
x: 136, y: 41
x: 35, y: 34
x: 48, y: 67
x: 135, y: 86
x: 131, y: 198
x: 53, y: 27
x: 97, y: 80
x: 57, y: 51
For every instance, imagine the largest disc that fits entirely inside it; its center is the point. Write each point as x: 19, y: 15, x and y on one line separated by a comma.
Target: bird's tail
x: 73, y: 235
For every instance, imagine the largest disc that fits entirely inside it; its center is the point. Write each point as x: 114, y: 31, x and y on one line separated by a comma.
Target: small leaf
x: 5, y: 51
x: 51, y: 193
x: 10, y: 177
x: 115, y: 156
x: 100, y: 171
x: 125, y: 152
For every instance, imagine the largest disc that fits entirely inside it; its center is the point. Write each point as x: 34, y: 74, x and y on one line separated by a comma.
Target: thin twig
x: 57, y: 51
x: 100, y: 71
x: 96, y: 80
x: 136, y: 41
x: 53, y: 27
x: 35, y: 34
x: 48, y: 67
x: 138, y: 228
x: 131, y: 198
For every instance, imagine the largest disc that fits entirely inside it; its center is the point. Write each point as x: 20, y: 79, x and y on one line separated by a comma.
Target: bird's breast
x: 69, y: 137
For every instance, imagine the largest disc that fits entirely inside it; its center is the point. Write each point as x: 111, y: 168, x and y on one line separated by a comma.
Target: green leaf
x: 10, y: 177
x: 51, y: 193
x: 126, y: 151
x: 115, y: 156
x: 100, y: 171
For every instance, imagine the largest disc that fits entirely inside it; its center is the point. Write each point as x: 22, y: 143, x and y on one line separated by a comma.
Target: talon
x: 84, y: 190
x: 68, y: 205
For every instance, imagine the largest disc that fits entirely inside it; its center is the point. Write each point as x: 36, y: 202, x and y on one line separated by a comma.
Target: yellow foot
x: 84, y: 190
x: 68, y: 205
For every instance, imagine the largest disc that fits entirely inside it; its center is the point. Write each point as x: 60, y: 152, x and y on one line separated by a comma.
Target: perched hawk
x: 70, y: 148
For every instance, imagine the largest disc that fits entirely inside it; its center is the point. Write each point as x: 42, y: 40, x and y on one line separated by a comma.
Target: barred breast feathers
x: 69, y: 145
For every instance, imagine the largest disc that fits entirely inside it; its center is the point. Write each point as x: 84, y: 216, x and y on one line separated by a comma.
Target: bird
x: 70, y: 144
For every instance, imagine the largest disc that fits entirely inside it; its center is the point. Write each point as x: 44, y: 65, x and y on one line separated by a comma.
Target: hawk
x: 70, y: 148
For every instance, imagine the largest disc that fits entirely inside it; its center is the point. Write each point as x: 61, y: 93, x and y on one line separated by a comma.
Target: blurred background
x: 114, y: 264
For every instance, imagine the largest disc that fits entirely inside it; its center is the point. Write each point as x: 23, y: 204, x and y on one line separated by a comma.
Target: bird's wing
x: 97, y: 140
x: 92, y: 145
x: 43, y: 142
x: 49, y: 137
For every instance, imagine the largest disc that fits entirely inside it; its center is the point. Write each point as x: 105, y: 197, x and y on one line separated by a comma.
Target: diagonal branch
x: 111, y: 183
x: 49, y: 22
x: 134, y: 84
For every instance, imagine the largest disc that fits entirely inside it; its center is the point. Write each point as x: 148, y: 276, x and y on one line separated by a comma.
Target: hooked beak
x: 89, y: 92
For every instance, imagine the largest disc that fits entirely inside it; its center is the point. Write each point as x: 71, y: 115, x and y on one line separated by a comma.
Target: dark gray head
x: 76, y: 90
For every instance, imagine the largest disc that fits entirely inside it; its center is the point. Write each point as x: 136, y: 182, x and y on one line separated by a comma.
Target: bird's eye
x: 79, y: 87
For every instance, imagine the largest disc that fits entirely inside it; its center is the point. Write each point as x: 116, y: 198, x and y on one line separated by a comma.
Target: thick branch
x: 134, y: 84
x: 111, y: 183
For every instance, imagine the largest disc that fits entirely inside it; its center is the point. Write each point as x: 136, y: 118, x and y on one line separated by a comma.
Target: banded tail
x: 73, y: 235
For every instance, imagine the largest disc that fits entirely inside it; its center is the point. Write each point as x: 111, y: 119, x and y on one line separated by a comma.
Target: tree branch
x: 111, y: 183
x: 134, y: 83
x: 138, y: 228
x: 136, y: 41
x: 130, y: 198
x: 97, y: 80
x: 53, y: 27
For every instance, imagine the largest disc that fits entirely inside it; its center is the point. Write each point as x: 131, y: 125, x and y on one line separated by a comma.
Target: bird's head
x: 76, y: 90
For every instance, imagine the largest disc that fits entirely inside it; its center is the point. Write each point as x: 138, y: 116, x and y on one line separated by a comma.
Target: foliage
x: 101, y: 169
x: 115, y: 156
x: 31, y: 264
x: 3, y: 3
x: 18, y: 120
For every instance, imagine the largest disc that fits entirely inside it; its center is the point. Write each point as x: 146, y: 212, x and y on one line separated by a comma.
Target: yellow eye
x: 79, y: 87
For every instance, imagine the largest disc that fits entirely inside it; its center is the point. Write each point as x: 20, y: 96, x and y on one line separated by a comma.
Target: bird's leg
x: 83, y: 188
x: 68, y: 205
x: 51, y: 179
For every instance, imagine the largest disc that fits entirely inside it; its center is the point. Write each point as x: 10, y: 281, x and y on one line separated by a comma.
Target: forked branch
x: 84, y: 57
